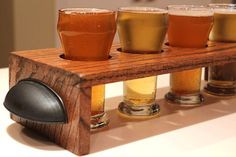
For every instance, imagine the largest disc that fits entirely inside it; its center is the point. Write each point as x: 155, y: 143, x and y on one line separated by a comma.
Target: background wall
x: 24, y: 25
x: 6, y: 31
x: 31, y: 24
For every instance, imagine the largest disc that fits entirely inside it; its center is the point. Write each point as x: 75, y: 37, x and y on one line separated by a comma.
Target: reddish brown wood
x: 72, y: 80
x: 125, y: 66
x: 75, y: 135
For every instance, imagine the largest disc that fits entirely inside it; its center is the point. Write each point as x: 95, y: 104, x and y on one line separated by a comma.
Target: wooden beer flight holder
x: 72, y: 81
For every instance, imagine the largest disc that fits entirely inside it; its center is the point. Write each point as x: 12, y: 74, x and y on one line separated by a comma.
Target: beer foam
x: 223, y: 8
x: 224, y: 11
x: 196, y: 12
x: 142, y: 10
x: 84, y: 10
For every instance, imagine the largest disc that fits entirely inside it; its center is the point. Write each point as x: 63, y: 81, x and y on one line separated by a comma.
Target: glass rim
x: 85, y: 11
x: 140, y: 9
x: 190, y: 10
x: 187, y: 7
x: 223, y: 7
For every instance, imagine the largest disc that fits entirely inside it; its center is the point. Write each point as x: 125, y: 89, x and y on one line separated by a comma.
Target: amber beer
x: 189, y: 30
x: 141, y: 30
x: 222, y: 78
x: 98, y: 116
x: 86, y: 34
x: 190, y: 85
x: 189, y: 26
x: 98, y: 101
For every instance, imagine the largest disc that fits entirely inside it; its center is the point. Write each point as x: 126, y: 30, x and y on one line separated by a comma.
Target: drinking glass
x: 141, y: 30
x: 189, y: 27
x: 222, y: 78
x: 86, y: 34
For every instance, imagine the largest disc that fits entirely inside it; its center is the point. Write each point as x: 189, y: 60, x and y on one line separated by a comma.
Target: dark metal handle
x: 33, y: 100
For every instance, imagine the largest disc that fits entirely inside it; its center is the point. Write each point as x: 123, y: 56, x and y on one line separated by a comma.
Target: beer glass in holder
x: 222, y: 78
x: 189, y: 27
x: 87, y: 34
x: 141, y: 30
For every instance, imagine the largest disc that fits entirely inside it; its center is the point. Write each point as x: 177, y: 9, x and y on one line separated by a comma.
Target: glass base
x: 190, y: 99
x: 145, y: 111
x: 220, y: 91
x: 99, y: 121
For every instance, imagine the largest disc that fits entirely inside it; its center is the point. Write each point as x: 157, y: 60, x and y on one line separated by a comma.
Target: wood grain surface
x: 74, y: 135
x: 73, y: 80
x: 125, y: 66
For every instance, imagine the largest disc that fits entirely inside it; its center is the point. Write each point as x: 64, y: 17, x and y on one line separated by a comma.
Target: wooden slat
x: 125, y: 66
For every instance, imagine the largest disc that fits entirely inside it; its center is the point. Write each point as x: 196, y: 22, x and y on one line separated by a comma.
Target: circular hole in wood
x: 138, y: 52
x: 63, y: 57
x: 207, y: 45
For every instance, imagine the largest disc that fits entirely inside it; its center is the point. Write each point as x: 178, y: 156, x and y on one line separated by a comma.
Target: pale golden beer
x: 222, y: 78
x: 141, y: 30
x: 224, y: 23
x: 189, y: 26
x: 140, y: 91
x: 86, y: 34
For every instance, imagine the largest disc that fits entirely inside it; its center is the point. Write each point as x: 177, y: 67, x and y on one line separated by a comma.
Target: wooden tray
x: 73, y: 80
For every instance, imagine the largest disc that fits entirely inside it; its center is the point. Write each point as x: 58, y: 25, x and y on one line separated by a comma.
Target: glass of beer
x: 189, y: 27
x: 141, y: 30
x: 222, y: 78
x: 87, y: 34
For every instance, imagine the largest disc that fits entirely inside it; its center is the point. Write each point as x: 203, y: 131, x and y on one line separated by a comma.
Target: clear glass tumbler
x: 222, y: 78
x: 87, y: 34
x: 141, y: 30
x: 189, y: 26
